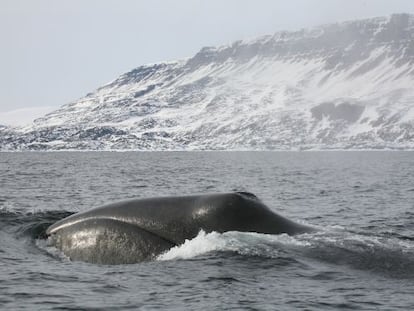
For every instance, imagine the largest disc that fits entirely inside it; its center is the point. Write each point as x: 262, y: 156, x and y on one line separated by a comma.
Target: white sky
x: 53, y: 52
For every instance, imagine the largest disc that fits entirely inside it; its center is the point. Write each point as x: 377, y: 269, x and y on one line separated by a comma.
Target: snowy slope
x: 348, y: 85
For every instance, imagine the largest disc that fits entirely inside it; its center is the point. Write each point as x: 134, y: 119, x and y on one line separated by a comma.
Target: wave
x: 393, y: 257
x: 243, y: 243
x: 31, y: 224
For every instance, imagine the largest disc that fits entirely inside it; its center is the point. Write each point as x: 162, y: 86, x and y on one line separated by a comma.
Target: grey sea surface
x: 361, y: 258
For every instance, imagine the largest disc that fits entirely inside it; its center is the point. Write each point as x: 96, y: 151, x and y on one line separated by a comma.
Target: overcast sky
x: 53, y: 52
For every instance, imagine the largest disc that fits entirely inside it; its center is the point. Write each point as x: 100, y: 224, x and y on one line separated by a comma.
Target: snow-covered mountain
x: 345, y: 85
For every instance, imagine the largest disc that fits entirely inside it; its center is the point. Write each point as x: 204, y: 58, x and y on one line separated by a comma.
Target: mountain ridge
x: 338, y: 86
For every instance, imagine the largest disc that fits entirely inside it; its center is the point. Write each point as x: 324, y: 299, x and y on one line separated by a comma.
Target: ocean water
x: 361, y: 258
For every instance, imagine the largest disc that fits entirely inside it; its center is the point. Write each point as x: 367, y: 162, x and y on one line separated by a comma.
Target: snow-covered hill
x: 347, y: 85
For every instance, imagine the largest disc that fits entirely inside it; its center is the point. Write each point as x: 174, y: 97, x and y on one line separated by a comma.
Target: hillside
x: 339, y: 86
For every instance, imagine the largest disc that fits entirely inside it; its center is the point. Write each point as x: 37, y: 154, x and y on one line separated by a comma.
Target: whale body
x: 138, y: 230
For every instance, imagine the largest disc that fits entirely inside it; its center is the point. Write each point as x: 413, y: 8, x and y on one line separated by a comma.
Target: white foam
x: 201, y: 244
x: 244, y: 243
x: 275, y: 246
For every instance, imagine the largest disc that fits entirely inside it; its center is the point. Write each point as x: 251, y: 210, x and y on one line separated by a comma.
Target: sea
x: 361, y: 257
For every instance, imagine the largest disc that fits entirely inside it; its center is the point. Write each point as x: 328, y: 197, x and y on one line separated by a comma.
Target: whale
x: 140, y: 230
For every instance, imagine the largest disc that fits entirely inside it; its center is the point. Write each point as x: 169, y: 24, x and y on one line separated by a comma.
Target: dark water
x: 362, y: 258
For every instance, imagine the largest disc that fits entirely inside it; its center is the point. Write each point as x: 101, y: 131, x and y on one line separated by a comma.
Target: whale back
x: 151, y: 226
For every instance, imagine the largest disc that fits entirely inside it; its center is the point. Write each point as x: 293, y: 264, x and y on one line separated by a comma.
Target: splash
x: 243, y: 243
x: 378, y: 254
